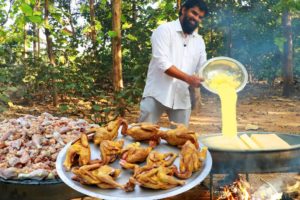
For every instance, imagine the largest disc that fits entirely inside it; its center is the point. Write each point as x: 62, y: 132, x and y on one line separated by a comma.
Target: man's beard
x: 187, y: 26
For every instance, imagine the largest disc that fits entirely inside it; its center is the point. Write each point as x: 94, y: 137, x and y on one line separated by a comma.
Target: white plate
x: 139, y: 192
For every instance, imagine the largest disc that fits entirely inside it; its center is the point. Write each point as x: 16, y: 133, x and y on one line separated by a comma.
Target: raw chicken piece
x: 81, y: 149
x: 38, y: 174
x: 109, y: 132
x: 110, y: 150
x: 161, y: 159
x: 96, y: 174
x: 150, y: 176
x: 133, y: 153
x: 143, y: 131
x: 191, y: 160
x: 179, y: 136
x: 8, y: 173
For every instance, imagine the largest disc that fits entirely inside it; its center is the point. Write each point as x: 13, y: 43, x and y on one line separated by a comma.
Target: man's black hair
x: 192, y: 3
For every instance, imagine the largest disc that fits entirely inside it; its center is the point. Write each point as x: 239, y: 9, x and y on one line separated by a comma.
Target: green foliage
x: 84, y: 69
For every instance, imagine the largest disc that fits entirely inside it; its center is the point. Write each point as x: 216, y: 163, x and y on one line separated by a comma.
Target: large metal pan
x: 36, y: 190
x: 257, y: 161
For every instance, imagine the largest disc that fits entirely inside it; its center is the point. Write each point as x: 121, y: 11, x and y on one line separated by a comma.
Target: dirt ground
x: 259, y: 108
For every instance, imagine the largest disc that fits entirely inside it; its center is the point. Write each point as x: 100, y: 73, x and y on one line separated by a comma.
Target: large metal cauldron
x: 36, y: 190
x: 257, y: 161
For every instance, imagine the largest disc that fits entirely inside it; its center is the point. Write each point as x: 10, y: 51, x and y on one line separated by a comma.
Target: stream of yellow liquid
x: 226, y: 85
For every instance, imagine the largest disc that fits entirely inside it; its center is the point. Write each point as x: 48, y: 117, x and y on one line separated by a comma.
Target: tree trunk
x: 196, y: 101
x: 38, y: 42
x: 34, y: 41
x: 34, y: 34
x: 134, y: 11
x: 228, y: 41
x: 50, y: 52
x: 116, y: 46
x: 92, y: 15
x: 178, y: 5
x: 71, y: 20
x: 25, y: 40
x: 38, y: 33
x: 287, y: 67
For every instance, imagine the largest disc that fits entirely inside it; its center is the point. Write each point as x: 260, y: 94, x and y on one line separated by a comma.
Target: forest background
x: 90, y: 58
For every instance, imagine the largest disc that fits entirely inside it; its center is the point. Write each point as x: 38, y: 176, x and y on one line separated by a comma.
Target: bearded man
x: 178, y: 52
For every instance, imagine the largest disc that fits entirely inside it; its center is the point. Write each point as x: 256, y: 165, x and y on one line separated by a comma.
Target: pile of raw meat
x: 29, y: 145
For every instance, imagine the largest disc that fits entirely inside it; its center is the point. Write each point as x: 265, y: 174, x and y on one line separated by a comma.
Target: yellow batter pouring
x: 226, y: 85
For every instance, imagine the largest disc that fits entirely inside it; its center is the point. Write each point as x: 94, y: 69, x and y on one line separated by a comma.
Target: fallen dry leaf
x: 251, y: 127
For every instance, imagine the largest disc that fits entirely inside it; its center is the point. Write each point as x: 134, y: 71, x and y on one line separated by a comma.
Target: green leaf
x: 62, y: 59
x: 106, y: 110
x: 126, y: 25
x: 123, y: 18
x: 58, y: 17
x: 48, y: 26
x: 98, y: 26
x: 86, y: 29
x: 112, y: 34
x: 2, y: 108
x: 63, y: 107
x: 35, y: 19
x: 26, y: 9
x: 96, y: 107
x: 37, y: 13
x: 279, y: 41
x: 12, y: 89
x: 72, y: 58
x: 4, y: 98
x: 131, y: 37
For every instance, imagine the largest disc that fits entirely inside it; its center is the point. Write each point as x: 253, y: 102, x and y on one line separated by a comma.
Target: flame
x: 237, y: 190
x: 240, y: 190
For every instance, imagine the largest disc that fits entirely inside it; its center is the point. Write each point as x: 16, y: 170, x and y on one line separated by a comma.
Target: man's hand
x: 194, y: 81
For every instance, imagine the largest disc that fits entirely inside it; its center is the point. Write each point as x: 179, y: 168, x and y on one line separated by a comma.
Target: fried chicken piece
x: 143, y: 131
x: 110, y: 150
x: 191, y: 160
x: 133, y: 153
x: 109, y: 132
x: 96, y: 174
x: 161, y: 159
x: 154, y: 177
x: 179, y: 135
x: 80, y: 149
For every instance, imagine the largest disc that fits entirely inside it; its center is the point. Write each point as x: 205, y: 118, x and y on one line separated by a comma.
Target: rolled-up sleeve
x: 161, y: 41
x: 202, y: 58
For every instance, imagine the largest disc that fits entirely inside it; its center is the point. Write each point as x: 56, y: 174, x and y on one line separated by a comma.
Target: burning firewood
x: 239, y: 189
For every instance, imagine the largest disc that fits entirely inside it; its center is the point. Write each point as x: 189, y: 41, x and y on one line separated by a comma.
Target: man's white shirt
x: 170, y: 47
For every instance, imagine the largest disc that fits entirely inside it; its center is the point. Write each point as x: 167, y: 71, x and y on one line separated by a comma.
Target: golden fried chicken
x: 134, y: 153
x: 110, y: 150
x: 143, y: 131
x: 96, y: 174
x: 161, y: 159
x: 109, y: 132
x: 79, y: 151
x: 191, y: 160
x: 179, y: 136
x: 154, y: 177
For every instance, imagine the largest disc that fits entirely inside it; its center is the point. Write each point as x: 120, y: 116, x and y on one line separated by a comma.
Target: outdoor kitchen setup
x: 49, y: 157
x: 255, y: 161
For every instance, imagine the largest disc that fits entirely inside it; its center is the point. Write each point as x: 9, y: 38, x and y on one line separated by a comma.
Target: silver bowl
x: 224, y: 65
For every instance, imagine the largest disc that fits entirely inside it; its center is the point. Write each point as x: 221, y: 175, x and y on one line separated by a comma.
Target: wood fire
x: 239, y: 189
